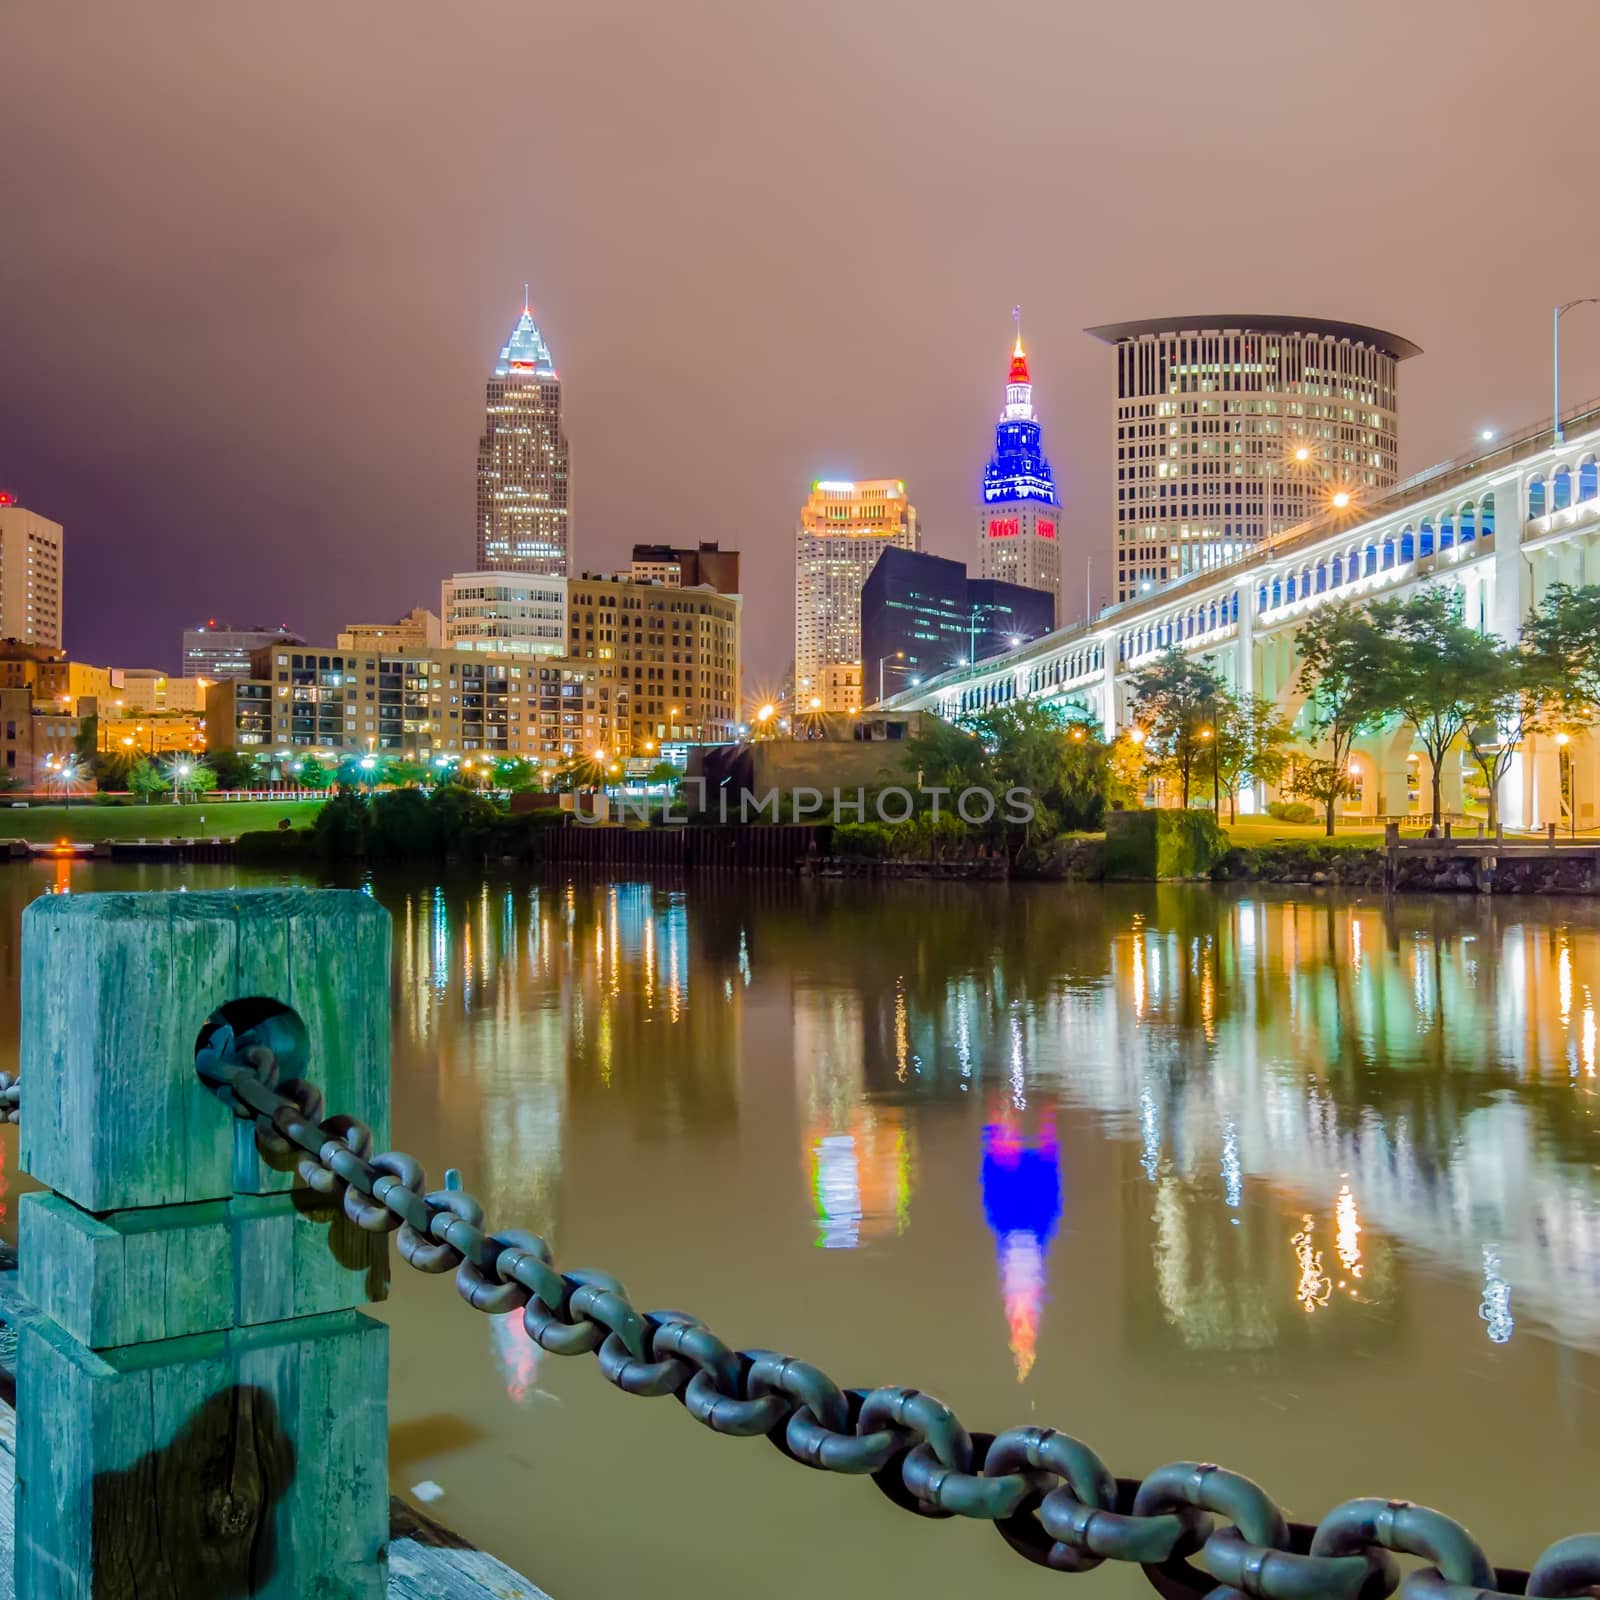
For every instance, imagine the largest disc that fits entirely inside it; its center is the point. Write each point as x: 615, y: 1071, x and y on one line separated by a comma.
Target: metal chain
x: 1050, y: 1496
x: 10, y: 1098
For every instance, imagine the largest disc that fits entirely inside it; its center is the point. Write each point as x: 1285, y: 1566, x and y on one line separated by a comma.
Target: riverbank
x: 90, y: 822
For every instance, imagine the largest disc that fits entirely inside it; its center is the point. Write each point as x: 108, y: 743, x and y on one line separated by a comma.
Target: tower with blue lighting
x: 1020, y: 521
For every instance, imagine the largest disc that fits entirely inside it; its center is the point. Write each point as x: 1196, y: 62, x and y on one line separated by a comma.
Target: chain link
x: 1049, y: 1495
x: 10, y: 1098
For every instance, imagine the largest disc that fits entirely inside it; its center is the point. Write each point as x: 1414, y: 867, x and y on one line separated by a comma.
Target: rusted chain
x: 1196, y: 1529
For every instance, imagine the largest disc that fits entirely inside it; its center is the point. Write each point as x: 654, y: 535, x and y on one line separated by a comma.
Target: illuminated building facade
x: 220, y: 650
x: 844, y: 528
x: 686, y: 567
x: 30, y: 576
x: 1019, y: 523
x: 1233, y: 428
x: 419, y: 628
x: 520, y: 612
x: 672, y: 655
x: 523, y: 521
x: 418, y: 704
x: 921, y: 614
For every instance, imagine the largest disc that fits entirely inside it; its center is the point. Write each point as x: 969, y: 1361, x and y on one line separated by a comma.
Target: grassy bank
x: 88, y: 823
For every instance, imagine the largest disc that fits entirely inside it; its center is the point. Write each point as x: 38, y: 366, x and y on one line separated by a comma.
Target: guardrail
x: 199, y: 1392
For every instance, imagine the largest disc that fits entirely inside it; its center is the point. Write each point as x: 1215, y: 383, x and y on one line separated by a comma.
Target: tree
x: 1173, y: 703
x: 1517, y: 698
x: 201, y: 778
x: 110, y: 769
x: 1340, y: 654
x: 1249, y: 742
x: 408, y: 774
x: 235, y: 769
x: 86, y: 740
x: 311, y: 774
x: 146, y: 779
x: 1429, y: 673
x: 1563, y: 638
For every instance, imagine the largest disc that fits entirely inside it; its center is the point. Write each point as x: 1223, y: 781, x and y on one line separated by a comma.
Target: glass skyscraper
x: 523, y: 520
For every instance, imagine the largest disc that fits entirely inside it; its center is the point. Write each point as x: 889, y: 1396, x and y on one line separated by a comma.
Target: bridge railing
x: 202, y: 1405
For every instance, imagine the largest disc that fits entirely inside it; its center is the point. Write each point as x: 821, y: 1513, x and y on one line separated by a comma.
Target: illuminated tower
x: 1021, y: 515
x: 523, y: 524
x: 844, y: 528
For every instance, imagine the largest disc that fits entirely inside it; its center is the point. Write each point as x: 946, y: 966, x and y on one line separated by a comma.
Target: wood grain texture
x: 115, y: 989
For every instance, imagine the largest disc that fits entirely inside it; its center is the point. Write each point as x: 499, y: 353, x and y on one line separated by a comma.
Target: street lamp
x: 1555, y: 358
x: 899, y: 655
x: 1206, y: 737
x: 1564, y: 756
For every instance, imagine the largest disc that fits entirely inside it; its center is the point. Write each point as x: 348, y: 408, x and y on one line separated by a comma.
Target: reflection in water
x: 1316, y: 1150
x: 1022, y: 1204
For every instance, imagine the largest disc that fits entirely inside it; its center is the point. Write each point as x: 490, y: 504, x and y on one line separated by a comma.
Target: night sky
x: 256, y: 261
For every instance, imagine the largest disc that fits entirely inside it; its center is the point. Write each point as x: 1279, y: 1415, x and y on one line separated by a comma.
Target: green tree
x: 235, y: 769
x: 1563, y: 638
x: 408, y: 774
x: 1341, y: 653
x: 1429, y: 672
x: 310, y: 773
x: 1173, y: 702
x: 110, y: 769
x: 146, y: 779
x: 1514, y: 700
x: 86, y: 740
x: 340, y: 830
x: 1249, y: 743
x: 200, y: 779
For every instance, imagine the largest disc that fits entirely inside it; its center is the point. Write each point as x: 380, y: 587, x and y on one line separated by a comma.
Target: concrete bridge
x: 1501, y: 527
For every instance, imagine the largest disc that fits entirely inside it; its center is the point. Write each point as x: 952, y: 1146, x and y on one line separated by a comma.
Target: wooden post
x: 201, y: 1411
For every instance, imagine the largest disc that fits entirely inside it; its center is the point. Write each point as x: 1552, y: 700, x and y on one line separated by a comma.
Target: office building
x: 1231, y: 429
x: 1006, y: 615
x: 523, y: 517
x: 220, y: 650
x: 417, y: 704
x: 844, y: 529
x: 520, y: 613
x: 143, y: 691
x: 921, y: 614
x: 1019, y: 523
x: 38, y: 741
x: 672, y: 653
x: 685, y: 568
x: 30, y: 576
x: 419, y: 628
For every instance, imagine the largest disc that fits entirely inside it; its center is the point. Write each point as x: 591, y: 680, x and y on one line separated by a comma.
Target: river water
x: 1308, y: 1187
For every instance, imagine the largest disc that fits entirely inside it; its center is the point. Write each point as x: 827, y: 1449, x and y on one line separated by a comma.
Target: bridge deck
x: 426, y: 1561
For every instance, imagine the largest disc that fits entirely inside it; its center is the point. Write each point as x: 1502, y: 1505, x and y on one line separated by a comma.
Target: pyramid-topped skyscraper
x: 523, y: 520
x: 1020, y: 520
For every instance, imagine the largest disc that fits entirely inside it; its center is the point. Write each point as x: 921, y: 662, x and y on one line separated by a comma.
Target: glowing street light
x: 1339, y: 499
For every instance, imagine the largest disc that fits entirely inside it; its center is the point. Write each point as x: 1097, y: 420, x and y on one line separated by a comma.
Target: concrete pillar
x: 1510, y: 599
x: 1108, y: 688
x: 1543, y: 760
x: 1516, y: 792
x: 1584, y: 753
x: 1245, y: 641
x: 1450, y: 785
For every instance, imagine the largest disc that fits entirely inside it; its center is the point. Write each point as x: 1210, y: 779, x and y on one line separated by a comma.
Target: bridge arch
x: 1588, y: 479
x: 1536, y: 499
x: 1561, y: 489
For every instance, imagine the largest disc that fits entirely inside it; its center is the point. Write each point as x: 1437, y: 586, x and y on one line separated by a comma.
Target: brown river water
x: 1310, y: 1187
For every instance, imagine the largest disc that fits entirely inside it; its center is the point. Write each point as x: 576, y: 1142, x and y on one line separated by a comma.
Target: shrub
x: 340, y: 831
x: 269, y: 846
x: 870, y: 841
x: 1291, y: 811
x: 1162, y: 843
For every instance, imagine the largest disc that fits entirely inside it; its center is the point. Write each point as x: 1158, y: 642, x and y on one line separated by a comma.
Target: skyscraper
x: 844, y: 528
x: 1020, y: 521
x: 1232, y: 428
x: 523, y: 522
x: 30, y: 576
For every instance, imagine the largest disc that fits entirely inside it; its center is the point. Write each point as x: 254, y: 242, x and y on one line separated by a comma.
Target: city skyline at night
x: 290, y: 430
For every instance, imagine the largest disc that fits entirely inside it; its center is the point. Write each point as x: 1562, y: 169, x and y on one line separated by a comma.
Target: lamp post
x: 1208, y: 736
x: 1555, y: 358
x: 899, y: 655
x: 1564, y: 757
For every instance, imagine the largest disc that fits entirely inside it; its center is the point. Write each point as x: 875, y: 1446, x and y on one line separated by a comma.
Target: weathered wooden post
x: 201, y: 1412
